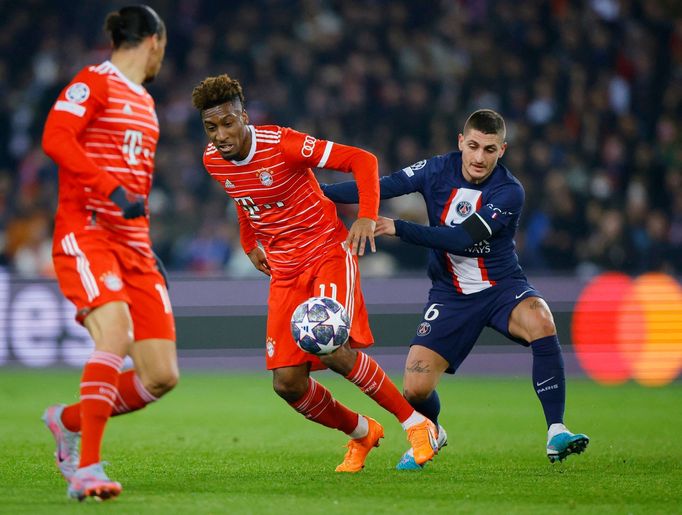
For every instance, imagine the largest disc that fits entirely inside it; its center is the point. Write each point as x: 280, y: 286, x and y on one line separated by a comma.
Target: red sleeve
x: 315, y: 153
x: 246, y: 233
x: 75, y: 107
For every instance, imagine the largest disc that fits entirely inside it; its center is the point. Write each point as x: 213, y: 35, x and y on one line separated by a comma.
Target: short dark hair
x: 487, y: 121
x: 128, y: 26
x: 215, y: 91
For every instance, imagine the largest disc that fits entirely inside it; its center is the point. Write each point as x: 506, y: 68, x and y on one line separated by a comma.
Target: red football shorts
x: 336, y: 275
x: 93, y: 270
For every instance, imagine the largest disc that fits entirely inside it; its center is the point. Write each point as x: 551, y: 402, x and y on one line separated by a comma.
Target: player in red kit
x: 291, y: 232
x: 102, y: 132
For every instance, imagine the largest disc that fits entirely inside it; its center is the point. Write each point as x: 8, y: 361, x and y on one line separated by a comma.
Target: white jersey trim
x: 70, y: 107
x: 71, y: 248
x: 252, y: 150
x: 325, y: 155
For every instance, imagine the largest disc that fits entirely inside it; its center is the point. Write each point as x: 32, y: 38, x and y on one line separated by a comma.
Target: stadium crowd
x: 591, y: 92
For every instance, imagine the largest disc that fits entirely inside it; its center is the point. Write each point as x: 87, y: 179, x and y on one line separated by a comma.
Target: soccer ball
x: 320, y: 325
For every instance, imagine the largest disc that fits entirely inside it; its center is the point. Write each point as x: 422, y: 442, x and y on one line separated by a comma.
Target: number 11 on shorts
x: 332, y: 287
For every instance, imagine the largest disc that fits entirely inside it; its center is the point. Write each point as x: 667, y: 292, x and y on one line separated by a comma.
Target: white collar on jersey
x: 252, y: 151
x: 135, y: 87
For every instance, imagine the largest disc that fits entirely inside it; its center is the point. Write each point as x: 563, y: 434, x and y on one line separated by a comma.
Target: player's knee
x: 162, y: 382
x: 290, y: 389
x: 414, y: 394
x: 542, y: 326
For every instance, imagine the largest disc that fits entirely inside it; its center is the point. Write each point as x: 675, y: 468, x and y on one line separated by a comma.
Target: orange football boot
x: 359, y: 448
x: 424, y: 440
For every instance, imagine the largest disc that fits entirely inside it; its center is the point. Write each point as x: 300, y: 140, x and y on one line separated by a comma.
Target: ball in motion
x: 320, y: 325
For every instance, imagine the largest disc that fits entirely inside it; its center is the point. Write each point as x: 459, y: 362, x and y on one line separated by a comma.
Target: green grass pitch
x: 224, y: 443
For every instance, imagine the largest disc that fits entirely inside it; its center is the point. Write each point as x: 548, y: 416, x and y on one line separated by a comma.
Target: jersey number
x: 332, y: 287
x: 432, y: 313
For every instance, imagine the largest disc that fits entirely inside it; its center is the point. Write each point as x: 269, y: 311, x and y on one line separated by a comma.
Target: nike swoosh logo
x: 522, y: 294
x: 543, y: 382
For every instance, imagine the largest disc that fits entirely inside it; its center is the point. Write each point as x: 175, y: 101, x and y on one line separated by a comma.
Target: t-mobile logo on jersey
x: 248, y: 205
x: 132, y: 146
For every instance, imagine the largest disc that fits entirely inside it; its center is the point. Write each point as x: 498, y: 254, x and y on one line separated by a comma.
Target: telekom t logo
x: 132, y: 146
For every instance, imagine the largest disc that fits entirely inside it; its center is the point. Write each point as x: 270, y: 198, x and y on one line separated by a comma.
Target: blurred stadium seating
x: 591, y: 91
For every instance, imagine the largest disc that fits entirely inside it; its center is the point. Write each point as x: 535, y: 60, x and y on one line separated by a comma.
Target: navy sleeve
x: 504, y: 206
x: 450, y: 239
x: 407, y: 180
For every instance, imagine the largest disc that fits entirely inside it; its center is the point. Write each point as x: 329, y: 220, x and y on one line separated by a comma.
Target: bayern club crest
x: 464, y: 208
x: 265, y: 177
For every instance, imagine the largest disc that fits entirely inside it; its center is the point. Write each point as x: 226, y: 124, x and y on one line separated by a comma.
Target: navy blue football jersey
x: 458, y: 263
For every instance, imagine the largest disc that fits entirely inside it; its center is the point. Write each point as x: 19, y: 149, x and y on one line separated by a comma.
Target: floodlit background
x: 591, y: 92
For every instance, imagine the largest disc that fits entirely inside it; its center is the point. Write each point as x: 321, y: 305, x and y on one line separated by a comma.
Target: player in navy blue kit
x: 473, y: 204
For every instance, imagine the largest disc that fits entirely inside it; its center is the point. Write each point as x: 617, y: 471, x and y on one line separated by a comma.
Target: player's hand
x: 361, y: 231
x: 257, y: 257
x: 385, y: 226
x: 131, y: 205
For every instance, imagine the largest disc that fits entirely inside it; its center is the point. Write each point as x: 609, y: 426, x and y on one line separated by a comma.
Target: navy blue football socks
x: 548, y: 377
x: 430, y: 407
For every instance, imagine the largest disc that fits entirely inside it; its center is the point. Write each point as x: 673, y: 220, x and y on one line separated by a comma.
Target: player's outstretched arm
x: 451, y: 239
x: 390, y: 186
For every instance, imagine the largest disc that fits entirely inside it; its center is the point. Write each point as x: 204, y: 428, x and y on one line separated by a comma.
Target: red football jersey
x: 102, y: 132
x: 280, y: 202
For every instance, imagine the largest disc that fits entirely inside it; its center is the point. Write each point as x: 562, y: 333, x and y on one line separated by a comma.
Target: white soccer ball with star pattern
x: 320, y: 325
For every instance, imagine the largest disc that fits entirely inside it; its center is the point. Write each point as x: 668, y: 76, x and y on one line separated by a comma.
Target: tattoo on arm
x: 418, y: 366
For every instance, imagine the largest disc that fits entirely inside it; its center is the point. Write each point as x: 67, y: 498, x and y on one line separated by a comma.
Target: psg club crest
x: 423, y: 329
x: 463, y: 208
x: 265, y: 177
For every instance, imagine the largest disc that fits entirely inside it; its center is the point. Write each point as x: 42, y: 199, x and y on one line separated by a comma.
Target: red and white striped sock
x: 373, y: 381
x: 318, y: 405
x: 131, y: 396
x: 97, y: 394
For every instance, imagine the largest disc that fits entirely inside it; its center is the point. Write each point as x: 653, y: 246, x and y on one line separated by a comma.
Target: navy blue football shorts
x: 451, y: 324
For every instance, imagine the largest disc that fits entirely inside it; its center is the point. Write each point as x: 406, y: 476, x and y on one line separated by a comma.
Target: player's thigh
x: 450, y: 329
x: 519, y: 312
x: 110, y: 326
x: 150, y: 306
x: 531, y: 319
x: 423, y: 369
x: 338, y: 277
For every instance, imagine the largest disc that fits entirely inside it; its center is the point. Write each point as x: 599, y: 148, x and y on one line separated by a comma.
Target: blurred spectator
x: 592, y: 92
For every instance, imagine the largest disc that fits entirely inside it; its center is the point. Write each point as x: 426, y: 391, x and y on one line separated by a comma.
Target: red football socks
x: 130, y: 396
x: 373, y: 381
x: 318, y: 405
x: 98, y: 392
